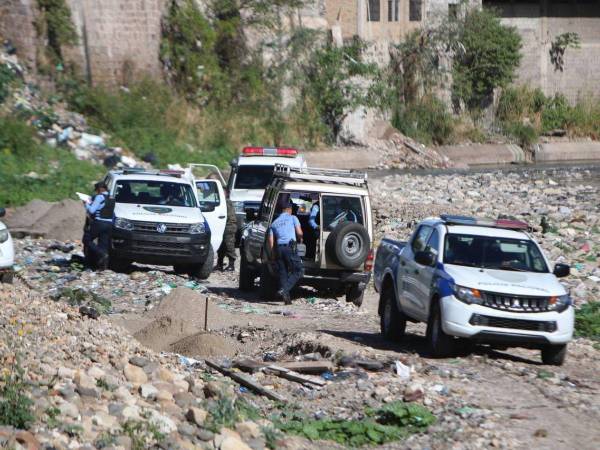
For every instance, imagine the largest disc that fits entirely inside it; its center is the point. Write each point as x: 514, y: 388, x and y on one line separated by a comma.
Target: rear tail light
x: 265, y: 151
x: 369, y: 261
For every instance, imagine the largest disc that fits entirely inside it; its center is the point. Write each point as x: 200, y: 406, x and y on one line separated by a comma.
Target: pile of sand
x: 204, y: 345
x: 62, y: 220
x: 177, y: 325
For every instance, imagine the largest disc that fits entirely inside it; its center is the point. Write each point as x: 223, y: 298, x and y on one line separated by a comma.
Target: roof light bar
x: 268, y: 151
x: 508, y: 224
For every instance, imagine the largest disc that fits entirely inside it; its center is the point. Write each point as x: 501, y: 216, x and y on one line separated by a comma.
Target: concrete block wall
x: 17, y: 18
x: 539, y: 22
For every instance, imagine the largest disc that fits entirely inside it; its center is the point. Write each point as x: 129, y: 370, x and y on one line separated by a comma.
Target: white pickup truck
x: 484, y: 280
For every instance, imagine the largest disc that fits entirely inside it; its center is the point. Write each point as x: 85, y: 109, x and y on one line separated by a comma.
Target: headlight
x: 4, y: 236
x: 468, y: 295
x: 239, y: 207
x: 560, y: 303
x: 123, y: 224
x: 198, y: 228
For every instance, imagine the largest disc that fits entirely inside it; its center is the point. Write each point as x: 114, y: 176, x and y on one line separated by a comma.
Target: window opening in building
x: 415, y: 10
x: 373, y: 13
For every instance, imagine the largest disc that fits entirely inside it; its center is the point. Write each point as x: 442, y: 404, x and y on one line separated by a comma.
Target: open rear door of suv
x: 211, y: 198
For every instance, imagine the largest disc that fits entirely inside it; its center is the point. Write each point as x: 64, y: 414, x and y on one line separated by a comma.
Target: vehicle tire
x: 392, y: 321
x: 269, y: 285
x: 7, y: 277
x: 118, y: 265
x: 554, y: 355
x: 355, y: 295
x: 440, y: 344
x: 203, y: 271
x: 348, y: 245
x: 246, y: 274
x: 181, y: 269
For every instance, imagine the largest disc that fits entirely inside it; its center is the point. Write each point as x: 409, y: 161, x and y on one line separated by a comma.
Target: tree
x: 336, y: 82
x: 487, y: 57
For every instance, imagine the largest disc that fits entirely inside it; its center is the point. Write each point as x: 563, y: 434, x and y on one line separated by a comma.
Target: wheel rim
x: 352, y: 244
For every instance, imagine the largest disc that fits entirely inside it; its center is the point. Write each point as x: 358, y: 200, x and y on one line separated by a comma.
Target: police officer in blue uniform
x: 100, y: 228
x: 284, y: 234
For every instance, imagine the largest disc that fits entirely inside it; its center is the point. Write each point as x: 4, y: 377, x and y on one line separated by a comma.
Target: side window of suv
x: 420, y: 239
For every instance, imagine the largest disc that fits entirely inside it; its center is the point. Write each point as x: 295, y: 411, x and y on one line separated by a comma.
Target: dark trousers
x: 289, y: 267
x: 227, y: 247
x: 99, y: 230
x: 310, y: 239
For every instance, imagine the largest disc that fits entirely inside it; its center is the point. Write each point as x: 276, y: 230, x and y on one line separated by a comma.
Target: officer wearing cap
x: 284, y: 234
x: 100, y: 218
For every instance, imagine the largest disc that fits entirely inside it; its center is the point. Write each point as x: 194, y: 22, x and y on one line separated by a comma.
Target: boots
x: 220, y: 265
x: 231, y: 266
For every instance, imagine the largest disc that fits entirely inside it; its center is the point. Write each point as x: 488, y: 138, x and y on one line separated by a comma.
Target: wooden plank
x: 312, y: 367
x: 294, y: 376
x: 249, y: 365
x: 247, y: 381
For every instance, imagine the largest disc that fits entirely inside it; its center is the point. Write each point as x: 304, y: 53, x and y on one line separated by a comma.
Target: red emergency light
x: 175, y: 173
x: 267, y: 151
x: 508, y: 224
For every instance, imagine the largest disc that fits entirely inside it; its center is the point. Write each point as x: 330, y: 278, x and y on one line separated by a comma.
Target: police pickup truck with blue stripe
x: 483, y: 280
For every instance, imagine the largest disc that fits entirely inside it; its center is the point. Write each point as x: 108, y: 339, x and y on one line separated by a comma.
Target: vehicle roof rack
x: 154, y: 172
x: 507, y: 224
x: 335, y: 176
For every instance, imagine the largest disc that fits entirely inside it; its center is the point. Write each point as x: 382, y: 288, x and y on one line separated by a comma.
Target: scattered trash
x: 402, y: 371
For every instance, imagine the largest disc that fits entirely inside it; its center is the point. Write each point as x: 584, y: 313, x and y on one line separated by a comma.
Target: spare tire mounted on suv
x: 348, y: 244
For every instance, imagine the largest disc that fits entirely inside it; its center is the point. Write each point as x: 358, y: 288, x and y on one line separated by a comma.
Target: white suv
x: 251, y: 173
x: 157, y: 220
x: 7, y: 252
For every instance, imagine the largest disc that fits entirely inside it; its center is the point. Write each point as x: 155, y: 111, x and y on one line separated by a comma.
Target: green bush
x: 7, y: 76
x: 427, y: 120
x: 556, y: 113
x: 488, y: 56
x: 15, y: 405
x: 524, y: 135
x: 58, y: 174
x: 587, y: 321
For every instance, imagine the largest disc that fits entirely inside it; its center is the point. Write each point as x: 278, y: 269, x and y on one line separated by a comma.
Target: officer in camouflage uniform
x: 227, y: 247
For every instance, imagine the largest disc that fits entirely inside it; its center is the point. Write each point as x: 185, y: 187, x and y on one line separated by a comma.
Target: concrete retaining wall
x: 568, y: 151
x: 483, y: 154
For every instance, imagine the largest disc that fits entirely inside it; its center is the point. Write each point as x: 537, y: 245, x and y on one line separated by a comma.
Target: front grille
x: 156, y: 247
x: 151, y: 227
x: 516, y: 324
x: 516, y: 303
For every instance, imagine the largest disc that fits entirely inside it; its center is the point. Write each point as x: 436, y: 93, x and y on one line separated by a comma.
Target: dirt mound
x: 162, y: 332
x: 204, y: 345
x: 62, y: 220
x: 176, y: 323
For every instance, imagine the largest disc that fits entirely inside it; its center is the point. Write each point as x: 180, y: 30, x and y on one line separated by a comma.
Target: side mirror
x: 251, y: 214
x: 208, y: 207
x: 2, y: 212
x: 562, y: 270
x: 425, y: 258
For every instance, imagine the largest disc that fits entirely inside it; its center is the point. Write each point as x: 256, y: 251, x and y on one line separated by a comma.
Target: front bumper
x: 164, y: 250
x: 503, y: 327
x: 7, y: 255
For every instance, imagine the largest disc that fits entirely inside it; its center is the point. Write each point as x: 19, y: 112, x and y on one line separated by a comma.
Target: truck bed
x: 386, y: 259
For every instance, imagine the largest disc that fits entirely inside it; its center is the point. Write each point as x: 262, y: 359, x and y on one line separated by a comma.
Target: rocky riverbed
x: 136, y: 376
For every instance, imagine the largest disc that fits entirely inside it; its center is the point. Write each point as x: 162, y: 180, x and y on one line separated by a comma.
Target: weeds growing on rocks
x: 15, y: 405
x: 587, y: 321
x: 389, y: 423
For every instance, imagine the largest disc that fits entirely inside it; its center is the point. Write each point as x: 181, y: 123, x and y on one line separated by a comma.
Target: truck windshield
x: 145, y: 192
x: 488, y: 252
x: 253, y: 177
